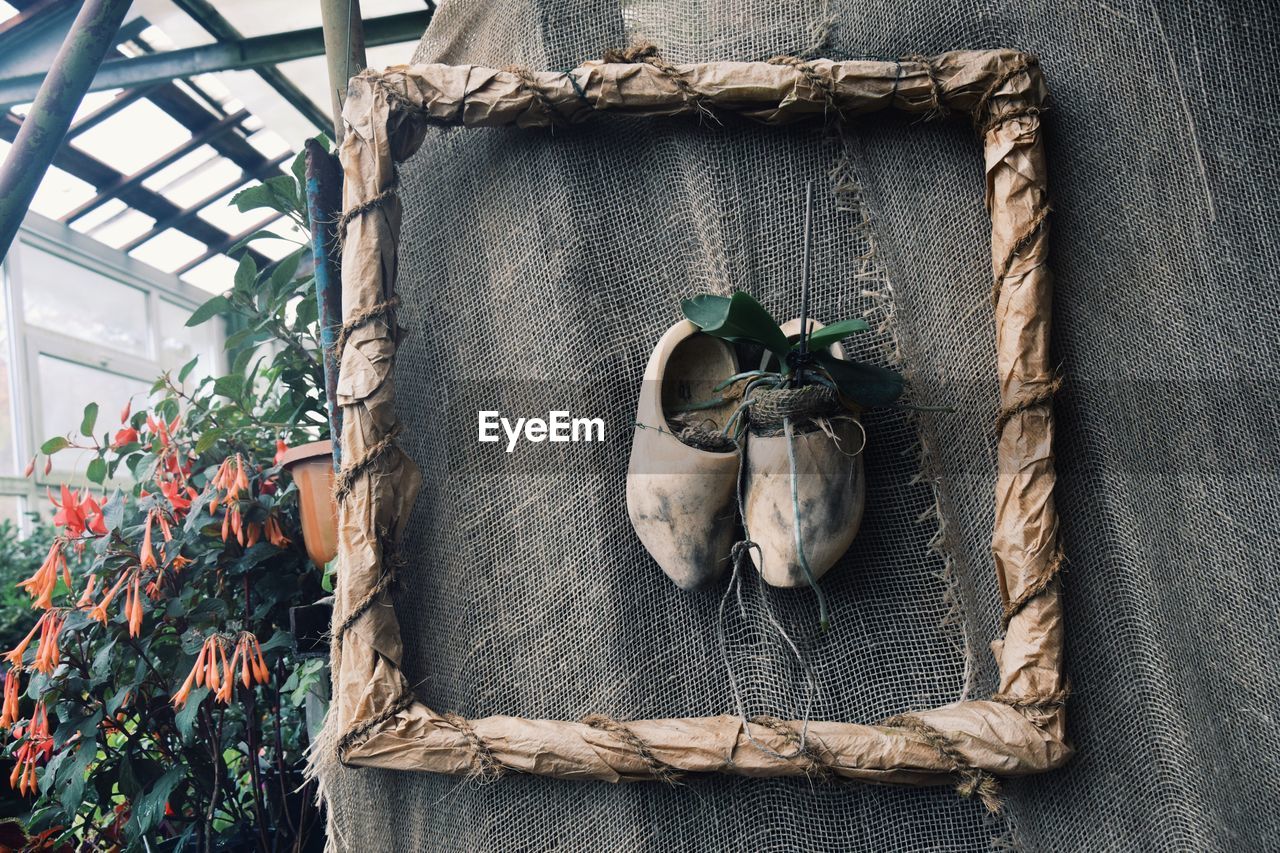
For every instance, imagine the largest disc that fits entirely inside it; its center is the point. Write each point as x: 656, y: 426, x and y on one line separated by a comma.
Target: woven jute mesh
x: 539, y: 268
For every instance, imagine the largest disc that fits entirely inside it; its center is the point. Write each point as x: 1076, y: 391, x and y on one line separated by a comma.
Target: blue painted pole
x: 324, y: 204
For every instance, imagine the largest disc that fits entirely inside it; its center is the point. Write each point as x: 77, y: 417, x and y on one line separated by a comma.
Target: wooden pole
x: 344, y: 49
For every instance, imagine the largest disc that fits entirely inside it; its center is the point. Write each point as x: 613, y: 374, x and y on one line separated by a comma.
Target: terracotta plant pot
x: 311, y: 466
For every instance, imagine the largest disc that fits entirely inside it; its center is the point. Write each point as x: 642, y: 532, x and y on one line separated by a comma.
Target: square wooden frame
x: 375, y: 721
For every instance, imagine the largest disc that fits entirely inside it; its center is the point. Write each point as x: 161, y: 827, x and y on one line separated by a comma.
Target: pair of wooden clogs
x: 682, y: 486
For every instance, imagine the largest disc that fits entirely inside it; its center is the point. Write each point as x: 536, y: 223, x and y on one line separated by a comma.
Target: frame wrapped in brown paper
x: 375, y: 721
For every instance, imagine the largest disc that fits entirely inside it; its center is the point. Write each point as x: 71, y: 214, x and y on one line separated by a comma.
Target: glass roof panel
x: 6, y: 11
x: 60, y: 193
x: 215, y: 275
x: 202, y: 182
x: 110, y: 208
x: 269, y: 143
x: 169, y: 250
x: 224, y: 214
x: 119, y: 230
x: 178, y: 169
x: 261, y: 17
x: 135, y: 137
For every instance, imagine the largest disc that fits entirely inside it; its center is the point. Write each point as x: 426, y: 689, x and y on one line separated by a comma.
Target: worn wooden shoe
x: 830, y: 482
x: 682, y: 478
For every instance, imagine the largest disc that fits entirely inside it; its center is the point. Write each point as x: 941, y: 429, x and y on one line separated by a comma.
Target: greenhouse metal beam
x: 107, y: 110
x: 37, y: 142
x: 221, y: 56
x: 106, y: 193
x: 227, y: 243
x: 203, y: 13
x: 95, y: 172
x: 185, y: 214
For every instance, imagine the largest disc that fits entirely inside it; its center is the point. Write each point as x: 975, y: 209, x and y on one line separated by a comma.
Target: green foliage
x: 170, y: 556
x: 741, y: 319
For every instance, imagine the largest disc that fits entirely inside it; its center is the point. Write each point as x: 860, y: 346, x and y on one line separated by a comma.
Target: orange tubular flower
x: 274, y: 534
x: 40, y: 586
x: 12, y: 692
x: 87, y: 595
x: 184, y: 692
x: 281, y: 450
x: 14, y: 657
x: 99, y: 612
x: 253, y: 535
x: 128, y: 435
x: 134, y: 612
x: 228, y: 678
x: 147, y: 557
x: 37, y: 746
x: 48, y: 656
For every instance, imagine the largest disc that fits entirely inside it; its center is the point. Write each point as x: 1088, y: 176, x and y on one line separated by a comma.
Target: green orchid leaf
x: 822, y: 338
x: 865, y: 384
x: 738, y: 318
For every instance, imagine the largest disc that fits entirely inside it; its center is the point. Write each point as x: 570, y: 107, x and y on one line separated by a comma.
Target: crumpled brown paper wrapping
x: 386, y: 114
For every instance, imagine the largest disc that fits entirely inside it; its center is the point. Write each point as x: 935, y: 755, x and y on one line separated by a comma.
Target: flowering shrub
x: 156, y: 702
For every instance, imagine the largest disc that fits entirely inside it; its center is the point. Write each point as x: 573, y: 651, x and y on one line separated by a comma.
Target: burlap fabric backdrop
x: 554, y: 261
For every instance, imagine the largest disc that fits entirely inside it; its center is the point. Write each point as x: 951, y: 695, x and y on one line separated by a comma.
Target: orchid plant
x: 157, y: 701
x: 741, y: 319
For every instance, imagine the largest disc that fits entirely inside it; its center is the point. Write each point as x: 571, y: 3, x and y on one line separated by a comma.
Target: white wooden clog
x: 831, y: 488
x: 682, y: 498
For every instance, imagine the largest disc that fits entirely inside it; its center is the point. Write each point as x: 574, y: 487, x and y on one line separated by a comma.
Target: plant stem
x: 281, y: 772
x: 251, y: 733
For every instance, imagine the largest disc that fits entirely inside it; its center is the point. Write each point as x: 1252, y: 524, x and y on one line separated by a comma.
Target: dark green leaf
x: 256, y: 235
x: 75, y: 772
x: 149, y: 808
x: 187, y: 368
x: 114, y: 703
x: 208, y: 439
x: 865, y: 384
x: 279, y: 640
x: 229, y: 386
x: 738, y: 318
x: 90, y: 420
x: 185, y: 718
x: 96, y: 470
x: 285, y: 271
x: 278, y: 193
x: 828, y: 335
x: 213, y: 308
x: 246, y: 274
x: 53, y: 445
